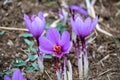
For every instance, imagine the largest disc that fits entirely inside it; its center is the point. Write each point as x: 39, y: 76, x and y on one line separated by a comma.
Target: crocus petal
x: 65, y: 42
x: 46, y: 46
x: 65, y: 38
x: 93, y: 25
x: 79, y: 25
x: 87, y: 26
x: 17, y: 75
x: 33, y: 17
x: 53, y: 35
x: 40, y: 15
x: 26, y: 16
x: 78, y: 9
x: 37, y: 27
x: 27, y: 21
x: 74, y: 27
x: 67, y: 47
x: 6, y: 78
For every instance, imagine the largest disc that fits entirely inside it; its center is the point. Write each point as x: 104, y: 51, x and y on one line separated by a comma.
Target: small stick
x: 17, y: 29
x: 106, y: 57
x: 108, y: 77
x: 48, y: 75
x: 11, y: 28
x: 104, y: 72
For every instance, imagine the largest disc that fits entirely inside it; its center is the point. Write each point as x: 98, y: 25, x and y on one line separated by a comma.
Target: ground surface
x: 11, y: 45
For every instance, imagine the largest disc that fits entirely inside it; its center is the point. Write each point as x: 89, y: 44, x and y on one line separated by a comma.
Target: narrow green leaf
x: 47, y: 26
x: 30, y: 69
x: 25, y: 35
x: 26, y: 50
x: 19, y: 62
x: 61, y: 27
x: 1, y: 33
x: 35, y: 65
x: 47, y: 56
x: 8, y: 72
x: 33, y: 50
x: 31, y: 57
x: 29, y: 43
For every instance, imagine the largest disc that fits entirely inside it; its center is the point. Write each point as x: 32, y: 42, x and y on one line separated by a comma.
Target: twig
x: 17, y: 29
x: 108, y: 77
x: 106, y: 57
x: 11, y: 28
x: 48, y: 75
x: 104, y: 72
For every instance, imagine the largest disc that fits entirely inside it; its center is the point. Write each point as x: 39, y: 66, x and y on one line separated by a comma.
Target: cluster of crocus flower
x: 17, y: 75
x: 82, y: 27
x: 57, y: 45
x: 52, y: 43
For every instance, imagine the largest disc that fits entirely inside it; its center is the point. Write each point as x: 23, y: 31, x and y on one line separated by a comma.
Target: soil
x: 11, y: 45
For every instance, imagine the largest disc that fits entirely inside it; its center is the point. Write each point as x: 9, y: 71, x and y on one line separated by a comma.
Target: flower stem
x: 38, y: 50
x: 40, y: 57
x: 85, y: 57
x: 79, y: 57
x: 80, y: 66
x: 65, y: 71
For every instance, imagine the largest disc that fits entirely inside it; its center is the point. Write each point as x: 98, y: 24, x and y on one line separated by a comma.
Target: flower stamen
x: 57, y: 49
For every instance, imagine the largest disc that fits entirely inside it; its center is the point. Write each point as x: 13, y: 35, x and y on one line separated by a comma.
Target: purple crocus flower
x: 35, y: 24
x: 17, y: 75
x: 53, y: 44
x: 83, y: 27
x: 78, y: 9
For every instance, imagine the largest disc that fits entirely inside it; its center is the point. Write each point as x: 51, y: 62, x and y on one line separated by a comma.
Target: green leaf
x: 8, y: 72
x: 47, y: 56
x: 19, y: 62
x: 25, y: 35
x: 33, y: 50
x: 35, y: 65
x: 30, y: 69
x: 47, y: 26
x: 61, y: 27
x: 1, y: 33
x: 31, y: 57
x: 26, y: 50
x: 1, y: 73
x: 29, y: 43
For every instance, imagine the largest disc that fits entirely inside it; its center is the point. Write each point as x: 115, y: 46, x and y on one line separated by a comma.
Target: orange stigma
x: 57, y: 49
